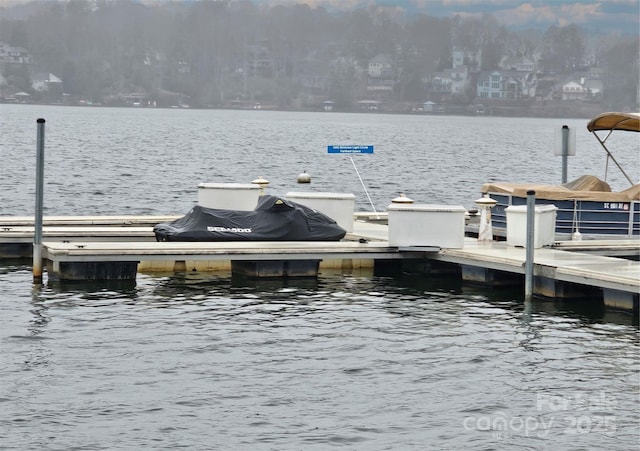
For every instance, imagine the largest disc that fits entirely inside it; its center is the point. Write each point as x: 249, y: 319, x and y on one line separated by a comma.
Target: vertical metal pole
x: 365, y: 188
x: 528, y: 264
x: 37, y: 236
x: 565, y: 152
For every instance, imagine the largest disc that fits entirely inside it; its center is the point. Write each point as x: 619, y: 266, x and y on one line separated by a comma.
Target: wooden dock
x: 119, y: 247
x: 85, y: 221
x: 16, y: 232
x: 17, y: 241
x: 558, y: 273
x: 180, y: 256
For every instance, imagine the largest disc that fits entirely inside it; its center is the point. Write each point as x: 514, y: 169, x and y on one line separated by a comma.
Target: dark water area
x: 349, y: 360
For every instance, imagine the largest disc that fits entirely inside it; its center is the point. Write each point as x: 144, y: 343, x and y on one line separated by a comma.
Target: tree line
x: 210, y: 53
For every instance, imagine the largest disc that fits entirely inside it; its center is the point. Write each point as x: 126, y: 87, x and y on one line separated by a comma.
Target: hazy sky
x: 517, y: 13
x: 605, y: 15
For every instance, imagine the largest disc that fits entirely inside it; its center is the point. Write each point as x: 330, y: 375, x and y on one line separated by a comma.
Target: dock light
x: 304, y: 178
x: 262, y: 183
x: 485, y: 204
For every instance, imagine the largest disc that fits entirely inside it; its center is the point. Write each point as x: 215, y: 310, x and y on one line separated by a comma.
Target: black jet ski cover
x: 273, y: 219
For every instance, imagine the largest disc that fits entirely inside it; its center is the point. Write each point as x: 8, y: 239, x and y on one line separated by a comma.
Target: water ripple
x: 203, y: 362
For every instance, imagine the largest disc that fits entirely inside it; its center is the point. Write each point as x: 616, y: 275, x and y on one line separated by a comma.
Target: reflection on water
x: 192, y: 360
x: 177, y: 289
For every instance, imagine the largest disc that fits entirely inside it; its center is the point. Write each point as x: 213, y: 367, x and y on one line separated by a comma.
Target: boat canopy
x: 587, y: 187
x: 615, y: 121
x: 610, y: 122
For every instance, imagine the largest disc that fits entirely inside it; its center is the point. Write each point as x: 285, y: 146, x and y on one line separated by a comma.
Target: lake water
x: 351, y: 361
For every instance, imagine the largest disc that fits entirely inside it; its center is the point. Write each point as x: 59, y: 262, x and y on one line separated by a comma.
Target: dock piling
x: 528, y: 263
x: 37, y: 237
x: 565, y: 152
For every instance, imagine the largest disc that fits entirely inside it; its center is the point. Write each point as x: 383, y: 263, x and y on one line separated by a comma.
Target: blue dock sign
x: 351, y: 149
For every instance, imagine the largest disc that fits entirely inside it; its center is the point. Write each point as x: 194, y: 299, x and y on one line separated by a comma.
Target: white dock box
x: 426, y: 225
x: 229, y: 196
x: 544, y: 225
x: 338, y: 206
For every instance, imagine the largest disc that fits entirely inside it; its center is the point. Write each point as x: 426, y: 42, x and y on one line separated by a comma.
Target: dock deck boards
x: 97, y: 229
x: 562, y: 265
x: 25, y: 234
x: 575, y: 267
x: 130, y: 238
x: 236, y: 250
x: 110, y: 221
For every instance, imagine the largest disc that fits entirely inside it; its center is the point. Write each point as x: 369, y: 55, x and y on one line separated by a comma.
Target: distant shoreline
x: 548, y: 109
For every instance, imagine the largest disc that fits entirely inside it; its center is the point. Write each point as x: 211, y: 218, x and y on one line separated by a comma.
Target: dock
x: 16, y: 232
x: 119, y: 247
x: 17, y: 241
x: 85, y: 221
x: 558, y: 273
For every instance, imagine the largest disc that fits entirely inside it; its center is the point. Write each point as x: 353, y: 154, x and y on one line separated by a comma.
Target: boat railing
x: 587, y: 217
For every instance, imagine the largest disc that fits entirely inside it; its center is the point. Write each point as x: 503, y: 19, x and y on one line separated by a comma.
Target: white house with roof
x: 46, y: 82
x: 14, y: 55
x: 573, y: 91
x: 506, y: 85
x: 582, y: 89
x: 450, y: 83
x: 518, y: 63
x: 591, y: 81
x: 381, y: 66
x: 381, y: 76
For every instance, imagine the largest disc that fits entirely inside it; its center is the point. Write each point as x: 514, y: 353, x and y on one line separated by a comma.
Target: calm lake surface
x: 347, y: 360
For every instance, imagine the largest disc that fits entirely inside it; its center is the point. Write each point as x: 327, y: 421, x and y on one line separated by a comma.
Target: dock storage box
x: 228, y: 196
x: 338, y: 206
x: 544, y: 224
x: 426, y: 225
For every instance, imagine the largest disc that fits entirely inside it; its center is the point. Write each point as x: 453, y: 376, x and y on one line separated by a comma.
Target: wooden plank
x: 61, y: 221
x: 20, y: 234
x: 613, y: 247
x: 236, y: 250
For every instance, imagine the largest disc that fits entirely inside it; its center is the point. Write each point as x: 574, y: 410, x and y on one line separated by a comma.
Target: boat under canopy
x: 586, y: 187
x: 587, y: 204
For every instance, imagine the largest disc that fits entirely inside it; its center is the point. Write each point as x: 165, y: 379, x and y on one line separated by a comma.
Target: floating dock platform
x: 558, y: 273
x: 70, y: 221
x: 16, y: 232
x: 116, y: 249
